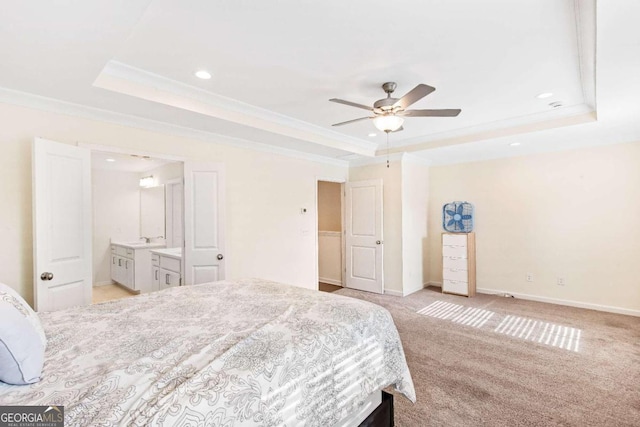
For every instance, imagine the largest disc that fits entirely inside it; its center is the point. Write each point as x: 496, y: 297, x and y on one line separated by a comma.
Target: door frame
x: 122, y: 150
x: 176, y: 181
x: 342, y: 182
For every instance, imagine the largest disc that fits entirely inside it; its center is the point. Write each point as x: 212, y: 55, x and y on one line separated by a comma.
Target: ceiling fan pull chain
x: 387, y: 149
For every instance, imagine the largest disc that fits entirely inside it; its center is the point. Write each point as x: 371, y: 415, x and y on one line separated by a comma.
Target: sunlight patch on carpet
x: 546, y: 333
x: 541, y: 332
x: 470, y: 316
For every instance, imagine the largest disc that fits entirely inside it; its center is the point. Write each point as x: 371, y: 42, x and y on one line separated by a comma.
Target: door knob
x: 220, y: 257
x: 378, y: 242
x: 46, y: 276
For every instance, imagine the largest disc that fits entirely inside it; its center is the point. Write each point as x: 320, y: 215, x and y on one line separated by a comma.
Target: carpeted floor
x: 493, y: 361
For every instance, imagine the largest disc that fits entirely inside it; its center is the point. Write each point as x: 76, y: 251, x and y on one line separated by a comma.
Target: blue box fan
x: 457, y: 217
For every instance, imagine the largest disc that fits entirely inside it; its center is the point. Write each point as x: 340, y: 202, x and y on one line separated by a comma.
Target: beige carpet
x: 491, y: 361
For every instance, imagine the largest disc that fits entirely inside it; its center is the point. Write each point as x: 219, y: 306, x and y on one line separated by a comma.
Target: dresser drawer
x: 459, y: 263
x: 155, y: 259
x: 455, y: 287
x: 455, y: 275
x: 454, y: 251
x: 454, y: 240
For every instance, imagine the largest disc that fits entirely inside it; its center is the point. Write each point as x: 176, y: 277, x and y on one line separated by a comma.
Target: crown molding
x: 28, y: 100
x: 574, y: 115
x: 123, y: 78
x: 416, y: 160
x: 378, y: 160
x: 401, y: 157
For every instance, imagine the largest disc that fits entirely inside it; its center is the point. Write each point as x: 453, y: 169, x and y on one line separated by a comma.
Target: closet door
x: 364, y: 244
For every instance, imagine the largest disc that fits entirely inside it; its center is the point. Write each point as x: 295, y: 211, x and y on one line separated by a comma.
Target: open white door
x: 204, y: 256
x: 61, y: 225
x: 364, y: 235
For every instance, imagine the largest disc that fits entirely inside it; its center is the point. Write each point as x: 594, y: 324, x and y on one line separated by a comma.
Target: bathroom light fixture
x: 388, y: 123
x: 110, y: 160
x: 147, y: 182
x: 203, y: 74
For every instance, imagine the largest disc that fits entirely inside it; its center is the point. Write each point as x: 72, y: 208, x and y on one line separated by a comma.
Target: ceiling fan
x: 389, y: 113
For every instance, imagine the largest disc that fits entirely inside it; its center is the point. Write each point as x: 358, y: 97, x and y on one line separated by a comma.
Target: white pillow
x: 22, y: 340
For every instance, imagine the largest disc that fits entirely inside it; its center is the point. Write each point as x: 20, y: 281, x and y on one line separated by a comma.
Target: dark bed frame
x: 382, y: 416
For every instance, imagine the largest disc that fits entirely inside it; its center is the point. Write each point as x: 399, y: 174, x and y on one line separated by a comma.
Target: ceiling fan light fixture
x: 388, y: 123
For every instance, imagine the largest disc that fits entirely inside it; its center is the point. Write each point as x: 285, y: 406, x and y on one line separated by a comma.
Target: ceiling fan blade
x: 352, y: 104
x: 414, y: 95
x: 431, y: 113
x: 399, y: 129
x: 351, y: 121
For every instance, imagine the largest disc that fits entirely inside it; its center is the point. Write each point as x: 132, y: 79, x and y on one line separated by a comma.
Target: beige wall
x: 392, y: 217
x: 415, y: 202
x: 266, y: 235
x: 329, y: 206
x: 116, y: 215
x: 330, y: 257
x: 572, y: 214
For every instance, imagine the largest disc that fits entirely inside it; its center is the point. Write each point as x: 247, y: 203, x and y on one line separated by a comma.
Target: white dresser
x: 459, y: 263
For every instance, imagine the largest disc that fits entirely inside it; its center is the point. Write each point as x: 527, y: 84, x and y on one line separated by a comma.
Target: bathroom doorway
x: 137, y: 216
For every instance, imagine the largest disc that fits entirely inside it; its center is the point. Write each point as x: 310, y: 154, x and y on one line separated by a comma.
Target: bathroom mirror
x: 152, y: 215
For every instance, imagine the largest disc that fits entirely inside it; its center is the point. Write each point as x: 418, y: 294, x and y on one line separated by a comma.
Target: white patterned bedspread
x: 232, y: 353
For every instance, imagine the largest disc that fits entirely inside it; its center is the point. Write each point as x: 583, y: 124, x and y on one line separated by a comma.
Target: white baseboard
x: 393, y: 293
x: 330, y: 281
x: 570, y: 303
x: 104, y: 283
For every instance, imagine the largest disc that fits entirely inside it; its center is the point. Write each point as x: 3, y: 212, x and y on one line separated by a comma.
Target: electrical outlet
x: 529, y: 277
x: 560, y: 281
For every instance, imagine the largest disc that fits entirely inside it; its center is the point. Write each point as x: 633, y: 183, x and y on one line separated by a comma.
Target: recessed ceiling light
x: 514, y: 144
x: 110, y: 160
x: 544, y: 95
x: 203, y: 74
x: 372, y: 134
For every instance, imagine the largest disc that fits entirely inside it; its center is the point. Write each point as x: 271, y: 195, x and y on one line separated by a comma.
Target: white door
x: 61, y: 225
x: 204, y: 257
x: 363, y: 240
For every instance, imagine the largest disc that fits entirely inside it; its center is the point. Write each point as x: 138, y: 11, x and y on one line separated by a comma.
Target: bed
x: 230, y: 353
